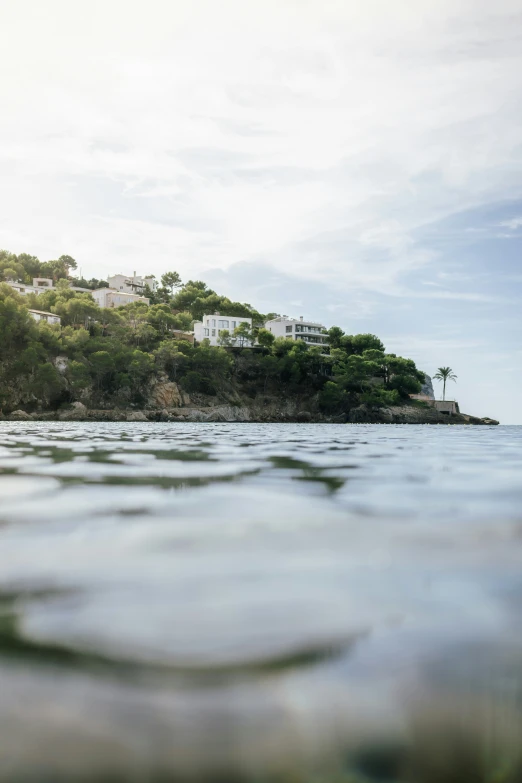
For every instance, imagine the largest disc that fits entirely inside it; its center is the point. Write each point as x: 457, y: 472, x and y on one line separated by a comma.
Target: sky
x: 359, y: 164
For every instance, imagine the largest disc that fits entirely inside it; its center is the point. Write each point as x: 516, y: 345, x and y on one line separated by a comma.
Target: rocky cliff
x: 168, y: 403
x: 427, y: 387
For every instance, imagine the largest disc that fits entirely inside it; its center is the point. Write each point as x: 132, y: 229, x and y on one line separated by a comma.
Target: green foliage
x: 379, y: 397
x: 335, y: 333
x: 195, y: 382
x: 170, y: 281
x: 445, y: 374
x: 265, y: 338
x: 332, y: 398
x: 225, y: 338
x: 243, y: 334
x: 109, y: 357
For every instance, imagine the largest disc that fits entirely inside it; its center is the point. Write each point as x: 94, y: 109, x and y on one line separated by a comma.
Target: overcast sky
x: 358, y: 163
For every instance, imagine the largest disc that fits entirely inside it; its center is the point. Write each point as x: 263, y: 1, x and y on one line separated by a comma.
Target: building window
x: 234, y: 323
x: 213, y: 322
x: 289, y: 328
x: 213, y: 332
x: 208, y: 322
x: 223, y: 324
x: 206, y: 332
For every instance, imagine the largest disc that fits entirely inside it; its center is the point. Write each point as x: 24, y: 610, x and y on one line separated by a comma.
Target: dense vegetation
x: 108, y: 358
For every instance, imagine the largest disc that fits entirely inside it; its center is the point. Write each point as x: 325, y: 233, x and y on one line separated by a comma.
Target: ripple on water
x: 290, y: 590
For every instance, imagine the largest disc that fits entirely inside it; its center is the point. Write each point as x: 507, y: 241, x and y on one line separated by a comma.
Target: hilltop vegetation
x: 110, y: 358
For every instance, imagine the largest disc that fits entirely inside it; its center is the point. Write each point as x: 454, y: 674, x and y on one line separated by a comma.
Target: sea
x: 308, y: 603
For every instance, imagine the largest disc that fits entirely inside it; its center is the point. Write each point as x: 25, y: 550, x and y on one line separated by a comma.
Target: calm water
x: 257, y: 602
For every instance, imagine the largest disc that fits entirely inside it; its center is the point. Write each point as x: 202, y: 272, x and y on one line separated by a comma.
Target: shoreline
x: 254, y: 414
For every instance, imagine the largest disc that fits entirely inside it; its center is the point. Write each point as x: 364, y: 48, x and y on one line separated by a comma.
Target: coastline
x: 254, y: 413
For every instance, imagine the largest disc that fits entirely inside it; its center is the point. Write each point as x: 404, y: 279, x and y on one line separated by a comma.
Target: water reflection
x: 272, y: 602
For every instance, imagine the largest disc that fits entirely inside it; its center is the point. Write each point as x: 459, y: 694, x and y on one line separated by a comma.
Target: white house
x: 310, y: 332
x: 42, y: 284
x: 41, y: 315
x: 213, y: 325
x: 108, y: 297
x: 132, y: 284
x: 39, y: 285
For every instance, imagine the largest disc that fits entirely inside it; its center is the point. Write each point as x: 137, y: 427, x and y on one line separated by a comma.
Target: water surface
x: 250, y: 602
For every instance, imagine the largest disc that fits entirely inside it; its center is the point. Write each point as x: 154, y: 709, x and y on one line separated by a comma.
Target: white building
x: 213, y: 325
x: 39, y: 285
x: 310, y: 332
x: 41, y: 315
x: 42, y: 284
x: 132, y: 284
x: 108, y: 297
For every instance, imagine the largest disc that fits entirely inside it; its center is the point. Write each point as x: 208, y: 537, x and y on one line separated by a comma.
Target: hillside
x: 115, y: 362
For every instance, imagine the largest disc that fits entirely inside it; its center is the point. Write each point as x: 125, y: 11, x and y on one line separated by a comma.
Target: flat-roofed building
x: 38, y: 286
x: 132, y: 284
x: 108, y: 297
x: 311, y: 332
x: 41, y: 315
x: 211, y: 327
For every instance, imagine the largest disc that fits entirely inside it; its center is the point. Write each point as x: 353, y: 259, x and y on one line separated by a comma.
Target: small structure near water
x: 427, y: 395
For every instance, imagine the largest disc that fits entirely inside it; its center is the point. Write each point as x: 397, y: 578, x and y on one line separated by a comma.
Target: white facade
x: 39, y: 285
x: 132, y: 284
x: 213, y: 325
x: 108, y: 297
x: 42, y: 284
x: 41, y: 315
x: 310, y: 332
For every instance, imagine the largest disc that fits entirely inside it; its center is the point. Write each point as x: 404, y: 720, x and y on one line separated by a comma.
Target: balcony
x: 312, y: 339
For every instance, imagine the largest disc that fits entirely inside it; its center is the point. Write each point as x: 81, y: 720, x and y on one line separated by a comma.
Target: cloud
x: 323, y: 138
x: 512, y: 224
x: 357, y: 157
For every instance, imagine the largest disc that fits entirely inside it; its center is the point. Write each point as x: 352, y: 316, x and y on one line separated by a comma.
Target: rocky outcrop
x: 420, y: 414
x: 427, y: 387
x: 77, y: 412
x: 20, y: 416
x: 136, y: 416
x: 61, y: 363
x: 165, y: 394
x: 261, y: 410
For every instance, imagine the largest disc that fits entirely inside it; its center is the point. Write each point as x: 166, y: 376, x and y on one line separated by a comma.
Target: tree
x: 445, y: 374
x: 102, y: 366
x: 170, y: 358
x: 243, y: 334
x: 265, y: 338
x: 332, y: 397
x: 47, y: 383
x: 171, y: 280
x: 161, y: 317
x: 359, y: 343
x: 58, y: 268
x: 68, y: 262
x: 334, y: 336
x: 78, y: 376
x: 139, y: 369
x: 224, y: 337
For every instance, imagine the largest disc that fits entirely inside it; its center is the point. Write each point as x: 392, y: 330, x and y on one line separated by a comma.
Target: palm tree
x: 445, y: 374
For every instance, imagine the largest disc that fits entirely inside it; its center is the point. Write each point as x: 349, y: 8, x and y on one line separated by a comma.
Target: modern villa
x: 132, y: 284
x: 109, y: 297
x: 211, y: 326
x: 310, y: 332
